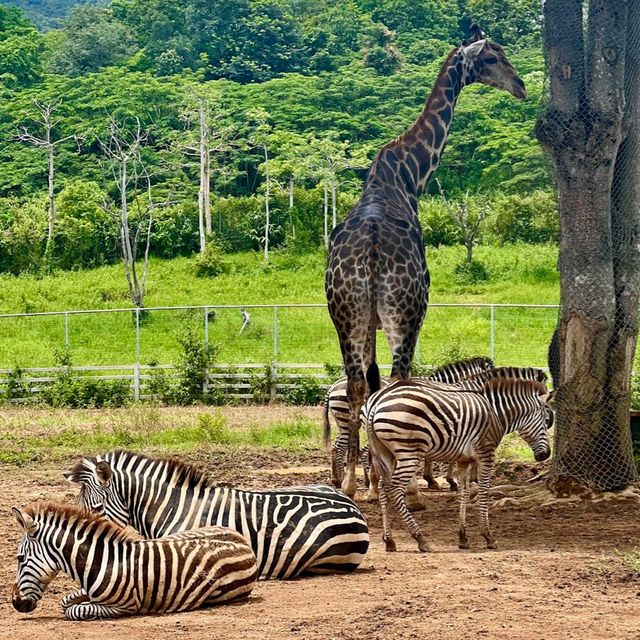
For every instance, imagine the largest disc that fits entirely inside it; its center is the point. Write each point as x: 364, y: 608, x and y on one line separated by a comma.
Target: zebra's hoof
x: 463, y: 545
x: 423, y: 545
x: 372, y: 497
x: 492, y: 544
x: 390, y: 546
x: 453, y: 486
x: 416, y: 505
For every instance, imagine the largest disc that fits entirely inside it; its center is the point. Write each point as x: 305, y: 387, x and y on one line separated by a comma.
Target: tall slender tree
x: 47, y: 122
x: 591, y: 129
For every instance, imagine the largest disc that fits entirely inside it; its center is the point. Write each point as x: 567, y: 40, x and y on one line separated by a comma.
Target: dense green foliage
x: 321, y: 84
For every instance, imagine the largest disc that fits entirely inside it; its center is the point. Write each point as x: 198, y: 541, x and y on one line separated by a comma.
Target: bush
x: 175, y: 231
x: 306, y: 392
x: 437, y: 225
x: 23, y: 232
x: 193, y: 366
x: 531, y: 218
x: 210, y: 263
x: 470, y: 272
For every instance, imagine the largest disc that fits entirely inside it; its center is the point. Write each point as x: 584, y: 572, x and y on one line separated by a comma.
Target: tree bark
x: 334, y: 216
x: 582, y: 130
x: 202, y: 198
x: 326, y: 214
x: 266, y: 203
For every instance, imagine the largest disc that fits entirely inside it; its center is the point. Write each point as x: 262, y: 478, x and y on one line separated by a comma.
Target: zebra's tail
x: 380, y: 457
x: 326, y: 426
x: 373, y: 372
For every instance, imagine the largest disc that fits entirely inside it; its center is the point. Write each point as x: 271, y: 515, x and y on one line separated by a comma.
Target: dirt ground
x: 556, y: 574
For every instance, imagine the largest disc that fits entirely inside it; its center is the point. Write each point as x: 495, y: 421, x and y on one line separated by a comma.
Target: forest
x: 106, y: 114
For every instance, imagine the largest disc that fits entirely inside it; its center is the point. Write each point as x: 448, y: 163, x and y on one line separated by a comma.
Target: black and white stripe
x: 336, y: 410
x: 120, y: 575
x: 293, y: 531
x: 411, y: 420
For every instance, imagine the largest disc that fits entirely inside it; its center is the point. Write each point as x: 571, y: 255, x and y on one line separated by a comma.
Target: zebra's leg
x: 404, y: 472
x: 75, y: 597
x: 338, y: 451
x: 485, y: 468
x: 356, y: 388
x: 453, y: 485
x: 428, y: 475
x: 95, y: 611
x: 387, y: 537
x: 365, y: 460
x: 463, y: 495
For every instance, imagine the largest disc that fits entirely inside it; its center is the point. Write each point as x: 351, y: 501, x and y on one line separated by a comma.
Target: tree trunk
x: 266, y: 204
x: 582, y: 131
x: 326, y: 215
x: 48, y: 251
x: 202, y: 198
x: 469, y: 245
x: 207, y: 189
x: 293, y: 226
x: 334, y: 220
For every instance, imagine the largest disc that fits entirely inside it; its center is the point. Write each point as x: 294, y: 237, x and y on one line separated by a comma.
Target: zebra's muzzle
x: 542, y: 455
x: 23, y: 605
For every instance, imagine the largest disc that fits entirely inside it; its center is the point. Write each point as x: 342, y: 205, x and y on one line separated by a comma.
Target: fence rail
x: 278, y: 345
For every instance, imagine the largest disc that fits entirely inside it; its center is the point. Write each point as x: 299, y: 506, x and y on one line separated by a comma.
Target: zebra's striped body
x: 293, y: 531
x: 409, y: 420
x: 120, y: 575
x: 336, y: 408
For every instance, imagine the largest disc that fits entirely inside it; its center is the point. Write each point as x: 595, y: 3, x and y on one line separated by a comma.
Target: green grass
x: 144, y: 430
x: 523, y: 274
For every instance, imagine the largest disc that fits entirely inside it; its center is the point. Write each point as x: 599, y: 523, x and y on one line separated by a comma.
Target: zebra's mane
x: 515, y: 374
x: 470, y: 364
x: 70, y: 514
x: 183, y: 470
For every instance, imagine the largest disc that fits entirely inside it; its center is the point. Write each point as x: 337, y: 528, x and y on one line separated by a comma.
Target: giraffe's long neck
x: 408, y: 162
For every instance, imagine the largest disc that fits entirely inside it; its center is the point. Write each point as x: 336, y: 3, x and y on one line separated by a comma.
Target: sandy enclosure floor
x: 553, y: 577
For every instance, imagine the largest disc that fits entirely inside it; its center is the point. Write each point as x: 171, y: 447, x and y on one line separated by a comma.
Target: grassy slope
x: 520, y: 274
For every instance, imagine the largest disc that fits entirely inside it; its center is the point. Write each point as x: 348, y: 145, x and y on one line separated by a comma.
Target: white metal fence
x: 278, y: 345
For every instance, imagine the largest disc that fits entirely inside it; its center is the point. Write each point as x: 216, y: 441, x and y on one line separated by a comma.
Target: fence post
x: 136, y: 370
x: 492, y: 344
x: 205, y: 384
x: 66, y: 332
x: 274, y: 363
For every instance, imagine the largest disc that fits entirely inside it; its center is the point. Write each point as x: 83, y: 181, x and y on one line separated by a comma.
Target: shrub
x: 175, y: 231
x: 470, y: 272
x: 210, y: 263
x: 306, y: 392
x: 437, y: 225
x: 193, y: 365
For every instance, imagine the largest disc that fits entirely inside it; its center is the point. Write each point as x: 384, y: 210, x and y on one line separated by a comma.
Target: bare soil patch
x: 553, y: 576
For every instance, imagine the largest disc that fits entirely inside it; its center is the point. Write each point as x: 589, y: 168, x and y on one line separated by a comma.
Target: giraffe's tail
x: 373, y: 372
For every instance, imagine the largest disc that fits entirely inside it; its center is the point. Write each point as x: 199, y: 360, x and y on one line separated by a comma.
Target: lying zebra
x: 336, y: 407
x: 120, y: 575
x: 410, y: 420
x: 292, y: 531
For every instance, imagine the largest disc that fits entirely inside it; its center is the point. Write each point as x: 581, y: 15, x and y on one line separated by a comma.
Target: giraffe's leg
x: 75, y: 597
x: 453, y: 485
x: 463, y: 495
x: 485, y: 468
x: 356, y: 388
x: 395, y: 490
x: 374, y: 483
x: 95, y: 611
x: 415, y: 501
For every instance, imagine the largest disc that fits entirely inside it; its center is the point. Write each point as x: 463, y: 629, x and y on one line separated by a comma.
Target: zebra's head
x: 36, y: 567
x: 533, y: 424
x: 98, y: 491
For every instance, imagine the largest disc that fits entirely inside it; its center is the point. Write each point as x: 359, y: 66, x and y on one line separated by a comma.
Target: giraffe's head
x: 486, y: 62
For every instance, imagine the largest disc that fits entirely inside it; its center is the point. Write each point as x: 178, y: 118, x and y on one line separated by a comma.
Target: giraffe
x: 377, y: 274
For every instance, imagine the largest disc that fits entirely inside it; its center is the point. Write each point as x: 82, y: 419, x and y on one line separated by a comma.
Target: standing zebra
x: 120, y: 575
x: 336, y: 407
x: 409, y: 420
x: 292, y: 531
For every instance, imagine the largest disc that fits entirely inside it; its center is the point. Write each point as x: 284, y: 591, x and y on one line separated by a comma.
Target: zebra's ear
x: 24, y: 520
x: 473, y: 50
x: 103, y: 472
x: 546, y: 398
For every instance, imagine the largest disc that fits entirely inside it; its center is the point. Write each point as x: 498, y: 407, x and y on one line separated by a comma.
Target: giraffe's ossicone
x: 377, y: 274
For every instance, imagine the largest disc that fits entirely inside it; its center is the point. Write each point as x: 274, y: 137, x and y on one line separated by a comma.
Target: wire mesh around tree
x: 590, y: 127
